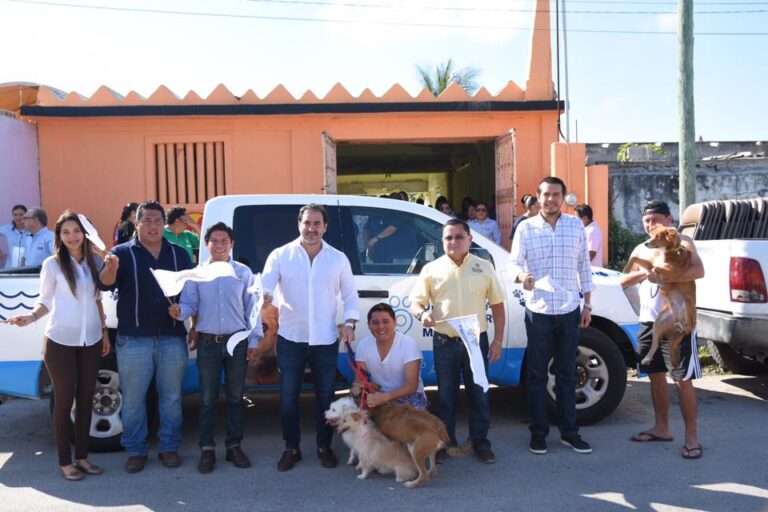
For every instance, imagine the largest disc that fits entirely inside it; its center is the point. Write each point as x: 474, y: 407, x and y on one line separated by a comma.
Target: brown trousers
x: 73, y: 371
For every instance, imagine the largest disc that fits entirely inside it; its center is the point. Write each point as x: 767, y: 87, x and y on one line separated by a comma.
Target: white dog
x: 338, y: 410
x: 375, y: 451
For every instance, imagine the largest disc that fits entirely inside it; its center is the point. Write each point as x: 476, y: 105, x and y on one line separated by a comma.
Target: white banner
x: 254, y: 318
x: 172, y: 282
x: 469, y: 331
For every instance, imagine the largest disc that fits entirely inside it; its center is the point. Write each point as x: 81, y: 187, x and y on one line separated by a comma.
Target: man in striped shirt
x: 549, y: 256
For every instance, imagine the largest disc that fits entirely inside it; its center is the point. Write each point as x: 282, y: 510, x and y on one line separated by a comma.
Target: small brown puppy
x: 678, y: 317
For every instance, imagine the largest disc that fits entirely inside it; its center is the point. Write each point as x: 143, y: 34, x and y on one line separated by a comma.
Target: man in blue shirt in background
x: 223, y: 307
x: 149, y: 342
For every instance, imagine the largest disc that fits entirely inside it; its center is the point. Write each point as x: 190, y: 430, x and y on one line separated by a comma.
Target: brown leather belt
x: 216, y: 338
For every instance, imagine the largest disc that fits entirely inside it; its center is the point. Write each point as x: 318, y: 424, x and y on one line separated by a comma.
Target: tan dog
x: 374, y: 450
x: 678, y: 317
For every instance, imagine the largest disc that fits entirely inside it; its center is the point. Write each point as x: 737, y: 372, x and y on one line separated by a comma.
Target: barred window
x: 189, y: 172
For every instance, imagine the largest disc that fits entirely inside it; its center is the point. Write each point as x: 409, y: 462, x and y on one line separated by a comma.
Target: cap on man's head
x: 655, y: 206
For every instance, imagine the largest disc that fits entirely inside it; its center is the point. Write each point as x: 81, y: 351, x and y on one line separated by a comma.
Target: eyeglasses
x: 451, y: 238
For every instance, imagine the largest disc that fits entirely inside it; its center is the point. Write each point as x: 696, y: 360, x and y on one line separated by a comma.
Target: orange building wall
x: 96, y: 165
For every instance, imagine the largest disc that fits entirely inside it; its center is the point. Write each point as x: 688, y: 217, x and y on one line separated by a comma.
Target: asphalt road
x: 619, y: 475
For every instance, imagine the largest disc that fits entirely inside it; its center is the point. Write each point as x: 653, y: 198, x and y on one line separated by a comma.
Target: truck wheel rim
x: 106, y: 403
x: 592, y: 378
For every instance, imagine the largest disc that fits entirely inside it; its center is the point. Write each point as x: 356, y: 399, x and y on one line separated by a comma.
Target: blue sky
x: 622, y: 85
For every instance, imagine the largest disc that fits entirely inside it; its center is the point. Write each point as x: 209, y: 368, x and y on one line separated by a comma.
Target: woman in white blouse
x: 75, y: 340
x: 392, y: 359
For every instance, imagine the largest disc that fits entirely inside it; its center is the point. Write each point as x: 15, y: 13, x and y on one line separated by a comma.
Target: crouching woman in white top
x: 75, y: 340
x: 392, y: 359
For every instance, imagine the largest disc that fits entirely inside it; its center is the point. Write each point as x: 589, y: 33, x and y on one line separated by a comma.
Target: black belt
x: 216, y: 338
x: 457, y: 339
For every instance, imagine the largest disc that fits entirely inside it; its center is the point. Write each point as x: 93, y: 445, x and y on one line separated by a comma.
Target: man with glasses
x: 458, y: 284
x: 149, y: 342
x: 488, y: 227
x: 39, y: 244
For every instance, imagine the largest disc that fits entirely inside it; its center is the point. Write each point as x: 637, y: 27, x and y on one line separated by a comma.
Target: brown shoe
x: 485, y: 455
x: 207, y: 461
x: 327, y: 458
x: 236, y: 456
x: 73, y: 474
x: 170, y: 459
x: 135, y: 463
x: 288, y: 460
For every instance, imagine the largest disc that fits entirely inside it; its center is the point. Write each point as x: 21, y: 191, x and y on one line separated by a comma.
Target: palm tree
x: 444, y: 75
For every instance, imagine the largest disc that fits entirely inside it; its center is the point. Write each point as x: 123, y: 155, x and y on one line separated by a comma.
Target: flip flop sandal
x: 649, y: 437
x: 694, y: 452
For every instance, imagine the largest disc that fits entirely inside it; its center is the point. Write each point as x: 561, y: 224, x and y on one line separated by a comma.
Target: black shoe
x: 288, y: 460
x: 327, y: 458
x: 207, y: 461
x: 577, y: 443
x: 441, y: 457
x: 236, y: 456
x: 135, y: 463
x: 538, y: 445
x: 485, y: 455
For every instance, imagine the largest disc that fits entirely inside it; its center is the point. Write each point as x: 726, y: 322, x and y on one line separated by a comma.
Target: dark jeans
x: 452, y: 365
x: 212, y: 357
x: 292, y: 358
x: 73, y: 372
x: 548, y: 336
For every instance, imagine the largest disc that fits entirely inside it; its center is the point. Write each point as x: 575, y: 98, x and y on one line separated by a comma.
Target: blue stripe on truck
x: 20, y: 378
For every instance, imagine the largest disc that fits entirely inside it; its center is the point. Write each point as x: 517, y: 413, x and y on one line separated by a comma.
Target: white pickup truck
x: 263, y: 222
x: 732, y: 240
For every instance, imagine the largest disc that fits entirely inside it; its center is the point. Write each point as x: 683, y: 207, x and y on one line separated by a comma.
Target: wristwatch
x: 420, y: 314
x: 351, y: 325
x: 588, y: 306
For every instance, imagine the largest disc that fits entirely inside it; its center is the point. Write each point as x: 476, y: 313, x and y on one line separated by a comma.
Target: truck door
x: 506, y: 184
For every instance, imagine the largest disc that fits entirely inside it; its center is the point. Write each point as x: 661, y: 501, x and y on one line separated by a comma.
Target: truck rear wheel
x: 601, y: 378
x: 731, y: 361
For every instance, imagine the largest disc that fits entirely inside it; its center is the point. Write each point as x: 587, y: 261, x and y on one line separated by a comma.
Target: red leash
x: 360, y: 374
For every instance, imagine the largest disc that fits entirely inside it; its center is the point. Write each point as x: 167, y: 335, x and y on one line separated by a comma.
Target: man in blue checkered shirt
x: 550, y: 258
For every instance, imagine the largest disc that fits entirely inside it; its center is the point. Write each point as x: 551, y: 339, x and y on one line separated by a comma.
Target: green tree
x: 444, y: 75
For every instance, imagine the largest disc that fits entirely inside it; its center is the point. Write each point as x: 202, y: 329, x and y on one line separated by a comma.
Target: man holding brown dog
x: 459, y: 284
x: 657, y: 213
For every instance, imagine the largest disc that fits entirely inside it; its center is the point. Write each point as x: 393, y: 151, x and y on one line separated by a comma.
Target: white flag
x: 172, y: 282
x: 469, y: 331
x: 91, y: 233
x: 253, y: 321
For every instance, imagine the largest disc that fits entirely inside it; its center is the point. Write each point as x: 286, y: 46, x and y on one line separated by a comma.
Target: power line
x: 491, y: 9
x: 367, y: 22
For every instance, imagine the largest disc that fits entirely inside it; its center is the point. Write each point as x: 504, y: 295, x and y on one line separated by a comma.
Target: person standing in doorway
x: 552, y: 245
x: 310, y: 275
x: 488, y: 227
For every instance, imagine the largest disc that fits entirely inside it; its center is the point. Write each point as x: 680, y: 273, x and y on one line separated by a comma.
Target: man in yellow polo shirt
x: 459, y: 284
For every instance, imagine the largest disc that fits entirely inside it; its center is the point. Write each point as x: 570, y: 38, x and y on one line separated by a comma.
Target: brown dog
x: 678, y: 317
x: 420, y: 431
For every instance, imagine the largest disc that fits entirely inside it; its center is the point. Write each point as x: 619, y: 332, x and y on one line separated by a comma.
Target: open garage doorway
x: 424, y: 170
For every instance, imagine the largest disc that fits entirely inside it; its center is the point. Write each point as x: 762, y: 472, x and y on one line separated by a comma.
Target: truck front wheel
x: 601, y: 378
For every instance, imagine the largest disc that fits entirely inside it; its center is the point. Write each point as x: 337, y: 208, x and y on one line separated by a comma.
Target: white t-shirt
x: 389, y: 373
x: 595, y: 243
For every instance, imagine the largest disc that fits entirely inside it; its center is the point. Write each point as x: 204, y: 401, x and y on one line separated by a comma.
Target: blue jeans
x: 292, y: 358
x: 138, y: 360
x: 212, y: 357
x: 548, y: 336
x: 452, y: 365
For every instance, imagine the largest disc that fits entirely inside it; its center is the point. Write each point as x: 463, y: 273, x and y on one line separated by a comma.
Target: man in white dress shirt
x: 553, y: 245
x: 310, y: 275
x: 594, y: 234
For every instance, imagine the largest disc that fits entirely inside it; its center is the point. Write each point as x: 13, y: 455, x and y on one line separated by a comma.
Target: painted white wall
x: 19, y: 169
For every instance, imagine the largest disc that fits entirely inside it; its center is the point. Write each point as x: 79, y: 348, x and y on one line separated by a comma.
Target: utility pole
x: 687, y: 150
